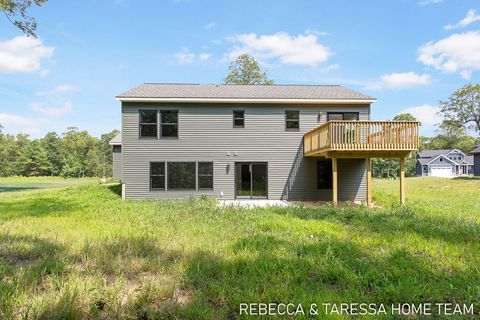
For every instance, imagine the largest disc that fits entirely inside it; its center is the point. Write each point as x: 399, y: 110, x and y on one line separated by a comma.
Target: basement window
x: 148, y: 123
x: 157, y: 175
x: 324, y: 174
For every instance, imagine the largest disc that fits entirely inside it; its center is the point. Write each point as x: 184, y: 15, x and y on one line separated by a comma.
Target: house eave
x: 237, y: 100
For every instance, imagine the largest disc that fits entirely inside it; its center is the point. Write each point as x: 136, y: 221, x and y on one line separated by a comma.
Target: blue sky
x: 409, y: 54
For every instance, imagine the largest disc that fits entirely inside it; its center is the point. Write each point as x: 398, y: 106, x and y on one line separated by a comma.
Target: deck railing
x: 362, y: 136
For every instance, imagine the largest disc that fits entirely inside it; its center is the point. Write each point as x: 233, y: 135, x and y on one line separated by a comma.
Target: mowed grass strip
x: 81, y: 252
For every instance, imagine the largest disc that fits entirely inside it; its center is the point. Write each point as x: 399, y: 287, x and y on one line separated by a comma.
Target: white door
x: 445, y: 172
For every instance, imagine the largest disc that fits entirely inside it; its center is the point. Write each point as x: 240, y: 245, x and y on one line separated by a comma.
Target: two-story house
x: 292, y: 142
x: 443, y: 163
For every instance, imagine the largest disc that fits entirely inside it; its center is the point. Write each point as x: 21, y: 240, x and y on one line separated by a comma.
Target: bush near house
x: 81, y: 252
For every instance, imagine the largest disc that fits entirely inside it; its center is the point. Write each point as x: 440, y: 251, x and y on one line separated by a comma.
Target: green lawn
x: 25, y: 184
x: 81, y: 252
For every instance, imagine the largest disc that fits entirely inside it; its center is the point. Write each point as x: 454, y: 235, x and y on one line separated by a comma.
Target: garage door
x: 441, y: 172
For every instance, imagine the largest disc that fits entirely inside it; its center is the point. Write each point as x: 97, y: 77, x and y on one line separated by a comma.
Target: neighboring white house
x: 443, y: 163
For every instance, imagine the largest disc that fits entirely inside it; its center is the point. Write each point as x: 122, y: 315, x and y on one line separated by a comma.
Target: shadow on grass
x: 331, y: 270
x: 24, y: 262
x: 38, y: 207
x: 465, y: 178
x: 116, y: 189
x: 393, y: 221
x: 16, y: 188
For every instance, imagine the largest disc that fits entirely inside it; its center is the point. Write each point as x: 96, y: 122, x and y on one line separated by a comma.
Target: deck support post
x: 402, y: 180
x: 334, y: 182
x: 369, y: 182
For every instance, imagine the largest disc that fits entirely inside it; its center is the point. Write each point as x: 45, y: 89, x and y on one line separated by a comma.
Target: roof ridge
x: 233, y: 84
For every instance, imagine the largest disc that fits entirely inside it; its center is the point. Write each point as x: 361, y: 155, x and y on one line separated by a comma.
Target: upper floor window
x: 352, y: 116
x: 292, y: 120
x: 239, y: 119
x: 148, y: 123
x: 169, y: 124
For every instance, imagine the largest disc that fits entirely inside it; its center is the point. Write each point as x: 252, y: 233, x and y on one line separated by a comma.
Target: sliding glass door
x: 251, y: 180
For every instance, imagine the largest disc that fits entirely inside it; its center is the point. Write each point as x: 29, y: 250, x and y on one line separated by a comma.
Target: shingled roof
x: 117, y: 140
x: 476, y: 150
x: 433, y: 153
x: 228, y: 91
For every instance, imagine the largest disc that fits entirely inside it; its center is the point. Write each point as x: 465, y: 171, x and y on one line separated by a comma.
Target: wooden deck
x: 362, y: 139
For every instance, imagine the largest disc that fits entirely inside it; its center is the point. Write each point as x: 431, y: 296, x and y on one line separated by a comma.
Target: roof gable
x: 443, y: 157
x: 457, y: 151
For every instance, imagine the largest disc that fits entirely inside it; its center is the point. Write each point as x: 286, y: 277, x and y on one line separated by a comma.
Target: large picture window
x: 181, y: 175
x: 352, y: 116
x: 292, y: 120
x: 205, y: 175
x: 157, y: 175
x: 324, y: 174
x: 169, y: 124
x: 148, y: 123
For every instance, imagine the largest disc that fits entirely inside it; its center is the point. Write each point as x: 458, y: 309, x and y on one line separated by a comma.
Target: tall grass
x: 81, y: 252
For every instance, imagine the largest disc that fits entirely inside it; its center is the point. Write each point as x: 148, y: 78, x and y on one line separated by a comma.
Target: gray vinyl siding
x: 476, y: 165
x: 418, y: 169
x: 206, y: 133
x: 117, y: 162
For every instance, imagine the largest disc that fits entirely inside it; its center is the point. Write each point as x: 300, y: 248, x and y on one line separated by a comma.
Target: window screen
x: 157, y: 175
x: 169, y: 124
x: 181, y: 175
x: 205, y: 175
x: 239, y: 119
x: 148, y: 123
x: 292, y: 120
x: 342, y: 116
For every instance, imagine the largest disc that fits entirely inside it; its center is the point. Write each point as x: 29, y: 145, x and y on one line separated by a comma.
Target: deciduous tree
x: 246, y: 70
x: 16, y: 12
x: 463, y: 107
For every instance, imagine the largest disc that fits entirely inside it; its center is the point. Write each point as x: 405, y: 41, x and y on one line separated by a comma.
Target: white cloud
x: 52, y: 111
x: 404, y: 80
x: 427, y: 2
x: 210, y: 25
x: 58, y: 90
x: 23, y: 54
x: 316, y: 32
x: 205, y: 56
x: 184, y: 56
x: 456, y: 53
x: 471, y: 17
x: 302, y: 49
x: 466, y: 74
x: 19, y: 124
x: 425, y: 113
x: 399, y: 81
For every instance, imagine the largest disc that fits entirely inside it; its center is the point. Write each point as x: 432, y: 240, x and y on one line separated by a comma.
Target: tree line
x: 76, y: 153
x: 73, y: 153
